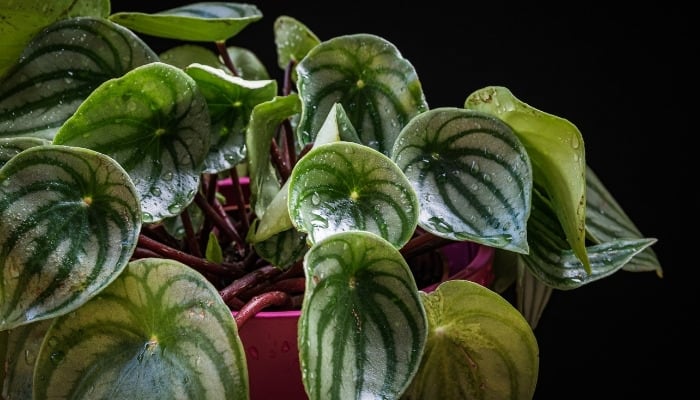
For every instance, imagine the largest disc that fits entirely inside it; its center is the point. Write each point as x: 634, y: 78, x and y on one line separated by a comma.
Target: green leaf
x: 184, y: 55
x: 22, y: 348
x: 264, y: 123
x: 479, y: 347
x: 20, y: 21
x: 10, y: 147
x: 552, y: 261
x: 60, y: 68
x: 283, y: 249
x: 69, y: 222
x: 160, y: 331
x: 198, y: 22
x: 606, y: 220
x: 378, y: 88
x: 293, y: 40
x: 154, y: 121
x: 557, y: 154
x: 230, y: 101
x: 247, y: 64
x: 472, y: 176
x: 362, y: 328
x: 214, y: 252
x: 342, y: 186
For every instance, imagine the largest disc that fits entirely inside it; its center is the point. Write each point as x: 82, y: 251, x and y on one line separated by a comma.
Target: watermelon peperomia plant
x: 121, y: 261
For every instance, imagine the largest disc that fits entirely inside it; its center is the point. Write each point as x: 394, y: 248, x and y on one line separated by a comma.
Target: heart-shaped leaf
x: 160, y: 331
x: 230, y: 102
x: 378, y: 88
x: 60, y: 68
x: 199, y: 22
x: 69, y: 222
x: 342, y: 186
x: 472, y: 176
x: 362, y: 327
x: 154, y: 121
x: 479, y: 347
x: 293, y: 40
x: 557, y: 154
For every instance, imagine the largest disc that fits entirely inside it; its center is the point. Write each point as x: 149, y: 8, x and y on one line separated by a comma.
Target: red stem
x: 223, y: 52
x: 259, y: 303
x: 239, y: 199
x: 197, y: 263
x: 222, y: 223
x: 190, y: 236
x: 248, y: 280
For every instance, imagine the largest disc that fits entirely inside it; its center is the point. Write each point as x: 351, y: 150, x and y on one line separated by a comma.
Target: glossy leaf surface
x: 60, y: 68
x: 557, y: 154
x: 20, y: 22
x: 230, y: 101
x: 342, y: 186
x: 377, y: 87
x: 479, y: 347
x: 606, y: 220
x: 553, y: 262
x: 154, y: 121
x: 363, y: 328
x: 160, y: 331
x: 200, y: 21
x: 69, y: 222
x: 10, y: 147
x: 472, y: 176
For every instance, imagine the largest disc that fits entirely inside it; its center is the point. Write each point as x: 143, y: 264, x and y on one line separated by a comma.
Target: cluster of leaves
x: 115, y: 243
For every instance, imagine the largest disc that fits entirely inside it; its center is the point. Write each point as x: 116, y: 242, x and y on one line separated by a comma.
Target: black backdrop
x: 609, y: 73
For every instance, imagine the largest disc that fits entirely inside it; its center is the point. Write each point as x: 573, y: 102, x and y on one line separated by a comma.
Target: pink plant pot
x: 270, y: 338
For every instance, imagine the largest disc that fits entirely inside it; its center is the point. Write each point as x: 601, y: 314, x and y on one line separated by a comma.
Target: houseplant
x: 74, y: 141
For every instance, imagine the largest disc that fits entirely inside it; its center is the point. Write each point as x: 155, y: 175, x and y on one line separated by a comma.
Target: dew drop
x: 174, y: 208
x: 57, y: 357
x: 146, y: 217
x: 155, y: 191
x: 315, y: 199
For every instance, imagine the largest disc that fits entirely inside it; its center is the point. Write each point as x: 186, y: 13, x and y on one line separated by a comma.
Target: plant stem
x: 221, y: 47
x: 423, y: 243
x: 259, y: 303
x: 222, y: 223
x: 190, y: 236
x: 197, y: 263
x: 248, y: 280
x: 239, y: 199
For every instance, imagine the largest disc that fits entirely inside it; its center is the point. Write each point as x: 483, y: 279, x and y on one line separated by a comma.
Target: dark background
x: 613, y: 74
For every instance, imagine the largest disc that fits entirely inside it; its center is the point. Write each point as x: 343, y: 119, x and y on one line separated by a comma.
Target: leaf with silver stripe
x: 362, y: 328
x: 59, y: 68
x: 69, y: 222
x: 472, y: 175
x: 378, y: 88
x: 159, y: 331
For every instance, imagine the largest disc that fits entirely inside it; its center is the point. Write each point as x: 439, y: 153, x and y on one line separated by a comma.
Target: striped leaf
x: 606, y: 220
x: 377, y: 87
x: 160, y: 331
x: 154, y: 121
x: 552, y: 261
x: 20, y: 21
x: 472, y: 176
x: 479, y: 347
x: 230, y: 101
x: 342, y: 186
x: 362, y: 328
x: 198, y: 22
x: 23, y: 343
x: 557, y: 154
x: 10, y: 147
x: 60, y: 68
x: 69, y: 221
